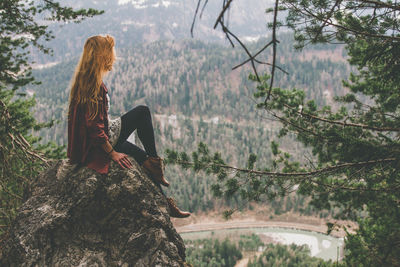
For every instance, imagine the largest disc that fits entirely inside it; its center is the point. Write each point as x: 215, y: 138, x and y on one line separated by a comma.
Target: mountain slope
x: 134, y: 22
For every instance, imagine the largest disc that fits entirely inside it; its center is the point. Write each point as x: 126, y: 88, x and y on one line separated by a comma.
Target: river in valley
x: 321, y: 245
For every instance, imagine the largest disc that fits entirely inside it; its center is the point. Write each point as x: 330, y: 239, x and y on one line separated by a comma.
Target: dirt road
x: 232, y: 224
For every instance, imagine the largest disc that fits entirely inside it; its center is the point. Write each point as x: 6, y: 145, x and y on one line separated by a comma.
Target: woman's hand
x: 121, y: 159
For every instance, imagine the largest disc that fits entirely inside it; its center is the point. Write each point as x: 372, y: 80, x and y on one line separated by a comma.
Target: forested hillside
x: 194, y: 80
x: 134, y: 22
x: 196, y: 97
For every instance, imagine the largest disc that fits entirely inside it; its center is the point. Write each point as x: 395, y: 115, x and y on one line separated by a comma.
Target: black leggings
x: 138, y: 118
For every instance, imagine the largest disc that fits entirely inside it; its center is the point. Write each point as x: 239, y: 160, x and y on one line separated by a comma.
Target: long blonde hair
x: 97, y: 58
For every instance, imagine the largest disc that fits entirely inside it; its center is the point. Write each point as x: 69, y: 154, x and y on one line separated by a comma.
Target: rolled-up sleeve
x: 96, y: 128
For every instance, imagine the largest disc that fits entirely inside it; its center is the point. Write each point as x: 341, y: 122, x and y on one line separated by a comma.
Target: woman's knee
x: 144, y: 110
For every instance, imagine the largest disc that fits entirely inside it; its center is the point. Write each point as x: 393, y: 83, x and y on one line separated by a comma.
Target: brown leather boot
x: 174, y: 211
x: 155, y: 168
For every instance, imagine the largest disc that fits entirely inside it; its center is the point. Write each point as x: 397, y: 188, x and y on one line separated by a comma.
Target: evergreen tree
x: 283, y: 255
x: 22, y: 28
x: 212, y: 252
x: 355, y: 143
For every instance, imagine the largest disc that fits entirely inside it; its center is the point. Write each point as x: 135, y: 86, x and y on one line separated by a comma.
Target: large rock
x: 82, y: 218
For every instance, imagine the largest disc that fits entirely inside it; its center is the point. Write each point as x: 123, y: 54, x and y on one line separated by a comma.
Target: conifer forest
x: 301, y: 119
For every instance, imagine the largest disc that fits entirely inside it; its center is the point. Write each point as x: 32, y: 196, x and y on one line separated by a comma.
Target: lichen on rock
x: 77, y: 217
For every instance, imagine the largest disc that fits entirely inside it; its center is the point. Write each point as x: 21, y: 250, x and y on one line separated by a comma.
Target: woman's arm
x: 96, y: 131
x: 120, y: 158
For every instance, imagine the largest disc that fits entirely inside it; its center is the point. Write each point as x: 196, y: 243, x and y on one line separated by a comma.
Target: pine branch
x: 293, y: 174
x: 363, y: 126
x: 306, y: 12
x: 18, y: 140
x: 328, y: 17
x: 345, y: 124
x: 381, y: 4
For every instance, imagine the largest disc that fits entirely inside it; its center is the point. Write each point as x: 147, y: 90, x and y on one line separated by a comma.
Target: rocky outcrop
x: 82, y: 218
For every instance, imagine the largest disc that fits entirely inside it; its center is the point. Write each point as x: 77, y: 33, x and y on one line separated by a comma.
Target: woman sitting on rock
x: 93, y: 139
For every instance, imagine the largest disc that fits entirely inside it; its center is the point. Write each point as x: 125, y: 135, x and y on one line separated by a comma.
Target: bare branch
x: 194, y: 17
x: 202, y: 9
x: 222, y: 13
x: 226, y: 30
x: 229, y: 35
x: 276, y: 66
x: 274, y: 41
x: 253, y: 57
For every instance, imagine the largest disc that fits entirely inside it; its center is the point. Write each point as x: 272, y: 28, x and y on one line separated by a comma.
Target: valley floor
x: 258, y: 218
